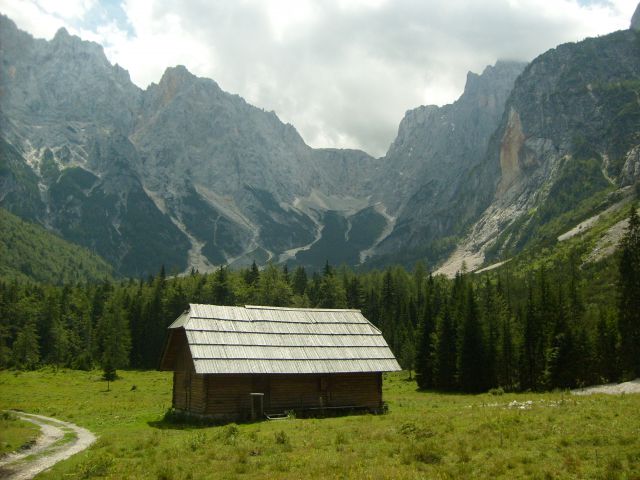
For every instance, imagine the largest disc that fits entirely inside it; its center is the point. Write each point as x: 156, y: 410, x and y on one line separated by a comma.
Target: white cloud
x: 67, y: 9
x: 342, y: 71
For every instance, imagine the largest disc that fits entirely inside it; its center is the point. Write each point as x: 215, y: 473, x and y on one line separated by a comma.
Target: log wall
x: 189, y: 391
x: 227, y: 396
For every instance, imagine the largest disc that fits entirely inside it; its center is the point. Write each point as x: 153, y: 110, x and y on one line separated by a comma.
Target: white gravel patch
x: 611, y: 388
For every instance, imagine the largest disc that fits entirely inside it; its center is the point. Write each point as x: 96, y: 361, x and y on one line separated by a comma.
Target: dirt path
x: 58, y: 441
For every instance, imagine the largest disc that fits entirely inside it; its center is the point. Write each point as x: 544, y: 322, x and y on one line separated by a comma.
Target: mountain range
x: 189, y: 176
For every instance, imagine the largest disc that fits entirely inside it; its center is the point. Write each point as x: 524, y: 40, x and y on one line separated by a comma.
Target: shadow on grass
x: 177, y: 420
x: 174, y: 420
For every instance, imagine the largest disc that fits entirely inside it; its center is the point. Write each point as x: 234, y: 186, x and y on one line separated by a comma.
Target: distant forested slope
x: 28, y: 251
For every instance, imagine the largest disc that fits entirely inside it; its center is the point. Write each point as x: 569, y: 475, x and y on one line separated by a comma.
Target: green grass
x: 15, y: 433
x: 424, y: 435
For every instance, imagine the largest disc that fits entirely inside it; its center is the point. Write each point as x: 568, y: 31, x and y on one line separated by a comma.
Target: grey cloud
x: 348, y: 78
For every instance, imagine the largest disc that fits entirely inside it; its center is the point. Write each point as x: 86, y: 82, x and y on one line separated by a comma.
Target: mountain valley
x: 189, y: 176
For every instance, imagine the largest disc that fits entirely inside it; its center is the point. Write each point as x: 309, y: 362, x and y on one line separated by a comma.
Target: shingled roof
x: 262, y: 340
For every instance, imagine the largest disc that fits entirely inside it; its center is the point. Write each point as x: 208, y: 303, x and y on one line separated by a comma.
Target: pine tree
x: 59, y: 348
x: 471, y: 360
x: 273, y: 290
x: 532, y: 346
x: 222, y: 291
x: 300, y: 281
x: 253, y: 275
x: 629, y: 297
x: 560, y: 355
x: 26, y: 349
x: 424, y: 347
x: 114, y: 334
x: 491, y: 317
x: 607, y: 348
x: 445, y: 352
x: 354, y: 293
x: 331, y: 294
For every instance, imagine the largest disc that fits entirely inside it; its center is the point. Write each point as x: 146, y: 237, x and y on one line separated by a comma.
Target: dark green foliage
x: 89, y: 213
x: 210, y: 226
x: 537, y: 323
x: 445, y: 352
x: 343, y: 238
x: 472, y: 368
x: 28, y: 251
x: 629, y: 299
x: 113, y: 334
x: 26, y: 351
x: 272, y: 288
x: 274, y: 220
x: 21, y: 195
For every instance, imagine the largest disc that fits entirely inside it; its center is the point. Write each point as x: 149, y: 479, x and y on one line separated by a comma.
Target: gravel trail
x: 49, y: 449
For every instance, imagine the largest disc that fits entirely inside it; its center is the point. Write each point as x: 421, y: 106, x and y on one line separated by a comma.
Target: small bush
x: 165, y: 472
x: 282, y: 438
x: 496, y: 391
x: 196, y: 441
x: 613, y: 470
x: 96, y: 467
x: 229, y: 434
x: 410, y: 429
x: 424, y: 452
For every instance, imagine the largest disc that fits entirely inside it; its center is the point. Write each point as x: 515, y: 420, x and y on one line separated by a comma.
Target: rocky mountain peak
x: 174, y: 80
x: 502, y: 73
x: 61, y: 35
x: 177, y: 74
x: 635, y: 20
x: 72, y: 45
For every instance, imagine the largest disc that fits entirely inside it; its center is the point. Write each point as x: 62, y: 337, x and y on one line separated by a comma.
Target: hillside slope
x: 29, y: 252
x: 568, y: 140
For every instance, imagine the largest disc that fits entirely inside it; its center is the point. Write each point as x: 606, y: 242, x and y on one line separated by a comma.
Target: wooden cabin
x: 237, y: 363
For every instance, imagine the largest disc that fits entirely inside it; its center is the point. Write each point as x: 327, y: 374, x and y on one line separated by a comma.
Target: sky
x: 343, y: 72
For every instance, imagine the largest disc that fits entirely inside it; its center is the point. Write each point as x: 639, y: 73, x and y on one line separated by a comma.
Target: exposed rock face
x: 181, y: 173
x: 186, y: 174
x: 428, y: 164
x: 569, y: 131
x: 635, y: 20
x: 631, y: 169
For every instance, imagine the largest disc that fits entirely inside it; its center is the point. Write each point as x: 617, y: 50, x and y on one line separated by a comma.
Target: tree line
x: 517, y: 329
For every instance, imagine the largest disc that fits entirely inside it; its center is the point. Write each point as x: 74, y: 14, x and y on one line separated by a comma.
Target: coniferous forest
x: 519, y: 327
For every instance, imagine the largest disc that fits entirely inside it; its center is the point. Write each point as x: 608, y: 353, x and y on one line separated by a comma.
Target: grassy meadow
x: 15, y: 434
x: 424, y: 435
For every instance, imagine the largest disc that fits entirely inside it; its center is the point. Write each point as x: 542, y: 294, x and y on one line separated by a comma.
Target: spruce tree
x: 607, y: 349
x: 423, y: 361
x: 300, y: 281
x: 26, y: 349
x: 222, y: 291
x: 629, y: 297
x: 445, y: 352
x: 273, y: 289
x: 471, y: 359
x: 560, y: 355
x: 115, y: 337
x: 532, y: 346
